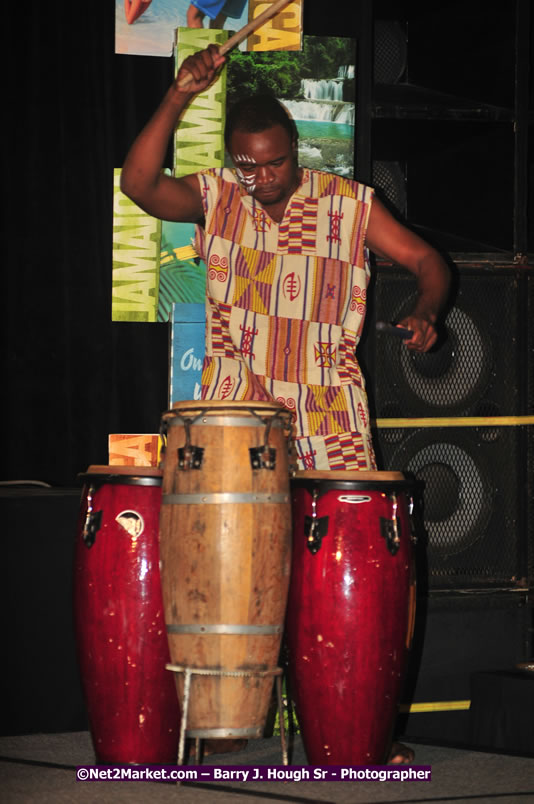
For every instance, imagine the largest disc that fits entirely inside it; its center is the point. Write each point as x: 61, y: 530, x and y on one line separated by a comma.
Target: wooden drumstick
x: 242, y: 34
x: 393, y: 329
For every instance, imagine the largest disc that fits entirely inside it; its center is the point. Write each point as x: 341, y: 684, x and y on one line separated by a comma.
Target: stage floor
x: 42, y: 767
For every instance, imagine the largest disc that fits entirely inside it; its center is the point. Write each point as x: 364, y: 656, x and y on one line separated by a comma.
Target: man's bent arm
x: 389, y: 238
x: 142, y: 179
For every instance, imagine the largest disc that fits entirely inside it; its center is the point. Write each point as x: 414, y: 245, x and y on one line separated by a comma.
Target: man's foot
x: 400, y: 755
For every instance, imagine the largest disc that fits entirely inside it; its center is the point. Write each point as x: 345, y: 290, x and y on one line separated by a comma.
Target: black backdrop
x: 71, y: 108
x: 73, y: 375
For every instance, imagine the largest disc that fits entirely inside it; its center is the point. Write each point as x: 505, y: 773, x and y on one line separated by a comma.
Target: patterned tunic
x: 285, y: 309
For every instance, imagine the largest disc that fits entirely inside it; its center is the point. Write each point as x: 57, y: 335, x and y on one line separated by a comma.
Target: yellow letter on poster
x: 136, y: 256
x: 281, y: 32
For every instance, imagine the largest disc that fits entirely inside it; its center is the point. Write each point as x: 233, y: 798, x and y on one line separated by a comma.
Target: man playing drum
x: 287, y: 255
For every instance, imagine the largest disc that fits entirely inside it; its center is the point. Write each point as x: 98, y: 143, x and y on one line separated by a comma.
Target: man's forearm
x: 433, y: 283
x: 142, y: 178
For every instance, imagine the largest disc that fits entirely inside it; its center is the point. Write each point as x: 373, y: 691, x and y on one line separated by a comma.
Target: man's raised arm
x: 142, y: 179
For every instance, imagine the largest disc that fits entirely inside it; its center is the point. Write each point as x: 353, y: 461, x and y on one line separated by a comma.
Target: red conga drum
x: 351, y: 610
x: 120, y: 631
x: 225, y: 542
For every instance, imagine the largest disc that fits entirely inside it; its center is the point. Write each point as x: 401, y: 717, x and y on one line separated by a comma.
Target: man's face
x: 266, y: 164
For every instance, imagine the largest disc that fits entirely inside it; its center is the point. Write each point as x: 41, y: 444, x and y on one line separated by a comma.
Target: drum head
x: 352, y: 480
x: 215, y: 407
x: 360, y: 477
x: 131, y: 475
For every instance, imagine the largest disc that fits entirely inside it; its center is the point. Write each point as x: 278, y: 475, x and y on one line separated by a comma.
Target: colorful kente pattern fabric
x: 286, y: 306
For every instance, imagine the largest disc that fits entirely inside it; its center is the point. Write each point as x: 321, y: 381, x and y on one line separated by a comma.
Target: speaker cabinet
x: 475, y: 501
x: 480, y: 365
x: 455, y: 638
x: 43, y: 692
x: 476, y: 506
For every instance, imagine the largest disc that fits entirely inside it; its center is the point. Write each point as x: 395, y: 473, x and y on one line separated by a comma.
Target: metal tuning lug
x: 411, y: 517
x: 91, y: 527
x: 315, y: 527
x: 190, y: 457
x: 93, y: 521
x: 390, y: 528
x: 263, y: 457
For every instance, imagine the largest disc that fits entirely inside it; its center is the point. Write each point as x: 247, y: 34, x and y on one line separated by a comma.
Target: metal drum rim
x: 346, y: 481
x: 217, y: 407
x: 221, y: 404
x: 122, y: 475
x: 218, y: 419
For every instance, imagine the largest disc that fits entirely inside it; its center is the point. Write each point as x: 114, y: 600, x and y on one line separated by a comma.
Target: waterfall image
x: 317, y: 87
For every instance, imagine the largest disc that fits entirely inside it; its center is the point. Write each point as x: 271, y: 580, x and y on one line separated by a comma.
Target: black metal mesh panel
x: 389, y: 178
x: 480, y: 366
x: 475, y: 500
x: 390, y: 50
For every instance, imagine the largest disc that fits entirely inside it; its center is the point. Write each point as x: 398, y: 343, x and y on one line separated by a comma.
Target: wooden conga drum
x: 351, y: 611
x: 120, y: 631
x: 225, y: 543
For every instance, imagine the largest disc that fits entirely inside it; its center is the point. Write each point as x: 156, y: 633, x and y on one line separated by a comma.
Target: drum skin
x: 131, y: 698
x: 225, y: 563
x: 350, y: 615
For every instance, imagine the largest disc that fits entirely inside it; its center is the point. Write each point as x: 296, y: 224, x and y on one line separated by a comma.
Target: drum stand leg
x: 280, y: 700
x: 189, y: 672
x: 183, y: 723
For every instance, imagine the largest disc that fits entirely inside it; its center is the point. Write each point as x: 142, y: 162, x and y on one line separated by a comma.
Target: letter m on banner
x: 136, y: 259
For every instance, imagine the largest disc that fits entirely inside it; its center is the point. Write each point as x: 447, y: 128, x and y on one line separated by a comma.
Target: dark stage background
x: 73, y: 376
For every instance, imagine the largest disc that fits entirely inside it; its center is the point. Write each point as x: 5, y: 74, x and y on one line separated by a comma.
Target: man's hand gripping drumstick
x: 199, y: 70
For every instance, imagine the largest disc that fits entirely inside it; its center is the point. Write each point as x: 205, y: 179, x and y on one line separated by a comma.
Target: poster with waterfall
x: 317, y: 86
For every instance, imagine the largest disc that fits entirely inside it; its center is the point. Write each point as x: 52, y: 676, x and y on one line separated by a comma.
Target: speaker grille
x: 474, y: 501
x: 388, y: 177
x: 390, y: 50
x: 479, y: 365
x: 478, y: 501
